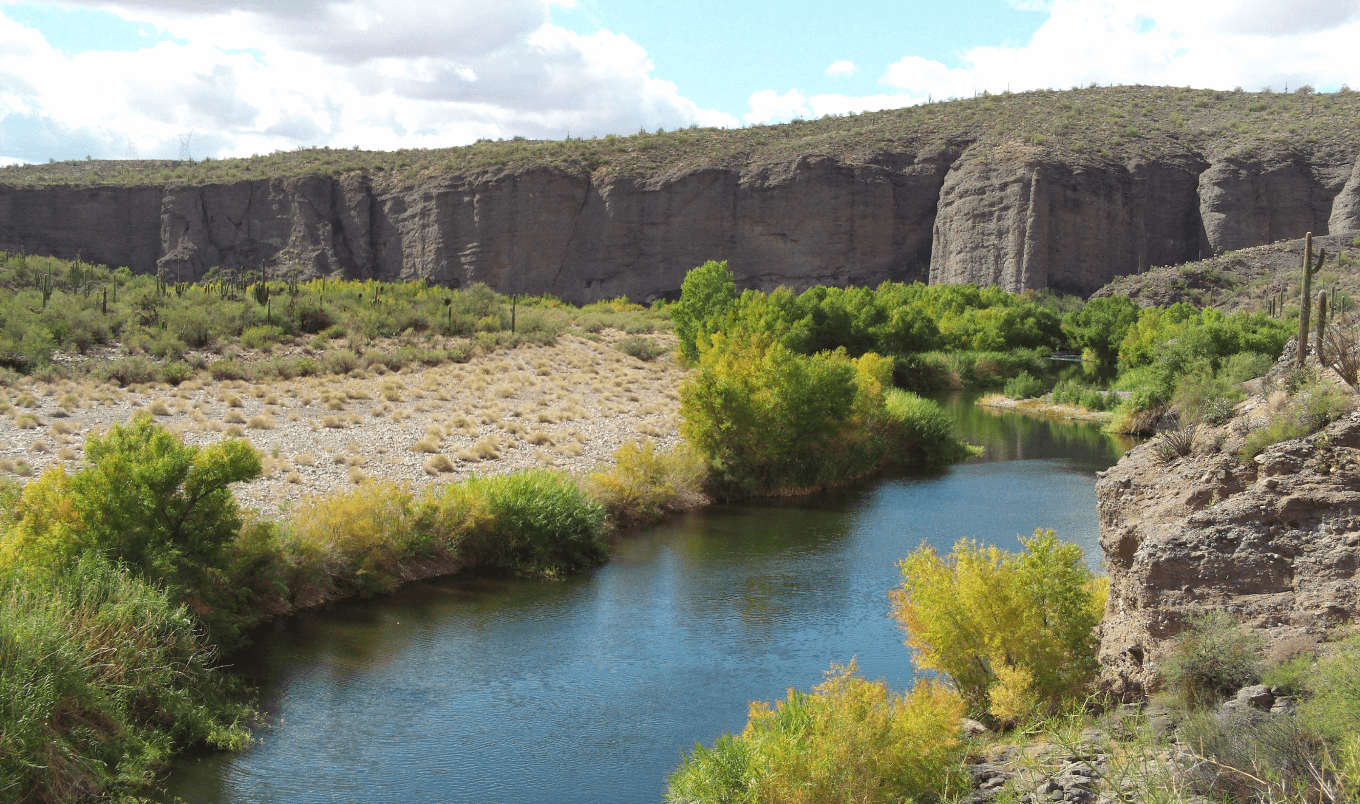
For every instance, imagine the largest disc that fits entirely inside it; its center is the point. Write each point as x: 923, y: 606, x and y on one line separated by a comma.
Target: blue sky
x: 90, y: 77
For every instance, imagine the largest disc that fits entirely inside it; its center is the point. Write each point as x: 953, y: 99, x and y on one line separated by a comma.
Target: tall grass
x: 102, y: 678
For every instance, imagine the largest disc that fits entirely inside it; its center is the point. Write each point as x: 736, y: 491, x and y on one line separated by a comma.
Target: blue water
x: 474, y: 690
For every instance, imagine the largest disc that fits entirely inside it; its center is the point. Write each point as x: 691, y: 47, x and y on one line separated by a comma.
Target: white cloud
x: 768, y: 106
x: 841, y: 68
x: 6, y: 161
x: 1247, y: 43
x: 325, y: 72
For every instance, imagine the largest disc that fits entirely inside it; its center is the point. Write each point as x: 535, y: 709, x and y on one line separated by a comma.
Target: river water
x: 477, y: 690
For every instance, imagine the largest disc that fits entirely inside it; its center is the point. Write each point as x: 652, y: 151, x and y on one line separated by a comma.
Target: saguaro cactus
x: 1306, y: 298
x: 1322, y: 317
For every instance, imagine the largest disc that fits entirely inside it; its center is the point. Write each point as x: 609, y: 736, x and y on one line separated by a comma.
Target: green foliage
x: 150, y: 500
x: 1071, y: 392
x: 1333, y: 708
x: 534, y: 522
x: 1311, y: 407
x: 1024, y: 386
x: 101, y: 679
x: 1101, y: 325
x: 1212, y: 659
x: 705, y: 295
x: 644, y: 485
x: 1013, y: 632
x: 849, y: 740
x: 771, y: 421
x: 641, y: 348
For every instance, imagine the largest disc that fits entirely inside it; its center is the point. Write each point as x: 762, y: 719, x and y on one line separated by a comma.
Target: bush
x: 1313, y: 407
x: 177, y: 372
x: 1211, y: 660
x: 357, y: 538
x: 850, y: 740
x: 261, y: 337
x: 1024, y: 386
x: 101, y: 677
x: 532, y: 523
x: 340, y: 361
x: 1013, y: 632
x: 644, y: 485
x: 641, y: 348
x: 130, y: 371
x: 227, y: 370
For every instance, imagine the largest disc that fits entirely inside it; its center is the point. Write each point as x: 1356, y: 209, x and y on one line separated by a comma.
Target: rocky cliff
x: 967, y: 191
x: 1275, y: 541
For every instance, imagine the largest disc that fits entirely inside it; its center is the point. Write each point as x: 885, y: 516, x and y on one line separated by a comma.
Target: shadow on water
x: 493, y: 690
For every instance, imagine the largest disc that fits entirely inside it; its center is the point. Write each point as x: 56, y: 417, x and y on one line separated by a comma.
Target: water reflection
x: 468, y: 689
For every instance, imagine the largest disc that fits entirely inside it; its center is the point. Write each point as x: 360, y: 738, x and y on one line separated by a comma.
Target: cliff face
x: 973, y: 214
x: 1276, y: 543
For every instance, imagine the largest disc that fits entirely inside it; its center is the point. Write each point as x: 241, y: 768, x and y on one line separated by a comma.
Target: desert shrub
x: 192, y: 326
x: 1013, y: 632
x: 261, y: 337
x: 167, y: 346
x: 1256, y: 756
x: 1176, y: 443
x: 1024, y: 386
x: 461, y: 352
x: 849, y: 740
x: 227, y: 370
x: 1312, y: 407
x: 1211, y: 660
x: 340, y: 361
x: 130, y: 371
x: 641, y: 348
x: 176, y: 372
x: 1334, y: 705
x: 643, y: 485
x: 534, y: 523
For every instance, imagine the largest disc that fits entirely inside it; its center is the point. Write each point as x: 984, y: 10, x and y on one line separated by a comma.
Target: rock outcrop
x: 1276, y: 542
x: 960, y: 192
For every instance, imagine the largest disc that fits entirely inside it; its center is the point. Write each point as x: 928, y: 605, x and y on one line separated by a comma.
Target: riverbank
x: 1039, y: 407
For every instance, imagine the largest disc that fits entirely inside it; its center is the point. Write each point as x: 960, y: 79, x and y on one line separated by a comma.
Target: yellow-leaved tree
x: 1014, y: 632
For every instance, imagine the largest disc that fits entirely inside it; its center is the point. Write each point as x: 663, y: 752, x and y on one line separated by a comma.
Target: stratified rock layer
x: 1275, y: 542
x: 1011, y: 217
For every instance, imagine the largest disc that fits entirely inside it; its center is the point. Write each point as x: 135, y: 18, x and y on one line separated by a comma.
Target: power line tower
x: 132, y: 146
x: 184, y: 155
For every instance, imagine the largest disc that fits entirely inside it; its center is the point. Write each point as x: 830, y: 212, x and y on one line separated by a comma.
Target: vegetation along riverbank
x: 128, y: 567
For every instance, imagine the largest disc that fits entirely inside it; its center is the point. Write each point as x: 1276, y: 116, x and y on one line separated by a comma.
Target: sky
x: 106, y: 79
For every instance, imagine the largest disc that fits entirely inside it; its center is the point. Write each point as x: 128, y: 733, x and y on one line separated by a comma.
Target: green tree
x: 706, y: 294
x: 1014, y: 632
x: 1101, y: 325
x: 156, y: 503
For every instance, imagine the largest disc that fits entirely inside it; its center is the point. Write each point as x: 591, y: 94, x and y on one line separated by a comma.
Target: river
x: 477, y: 690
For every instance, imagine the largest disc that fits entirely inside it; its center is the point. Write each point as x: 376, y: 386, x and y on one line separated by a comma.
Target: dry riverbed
x: 569, y: 405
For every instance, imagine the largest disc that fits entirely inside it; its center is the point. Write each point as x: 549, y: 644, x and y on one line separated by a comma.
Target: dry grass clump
x: 487, y: 448
x: 66, y: 454
x: 261, y: 423
x: 512, y: 427
x: 438, y: 464
x: 427, y: 444
x: 158, y: 408
x: 332, y: 423
x: 39, y: 446
x: 305, y: 459
x: 356, y: 475
x: 538, y: 438
x: 26, y: 421
x: 234, y: 417
x: 236, y: 431
x: 232, y: 401
x: 293, y: 478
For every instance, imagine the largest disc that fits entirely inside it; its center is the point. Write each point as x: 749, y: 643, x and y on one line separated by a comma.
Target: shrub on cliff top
x: 1013, y: 632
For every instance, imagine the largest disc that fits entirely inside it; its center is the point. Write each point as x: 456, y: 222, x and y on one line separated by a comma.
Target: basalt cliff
x: 1063, y: 190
